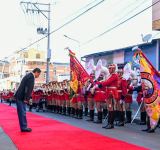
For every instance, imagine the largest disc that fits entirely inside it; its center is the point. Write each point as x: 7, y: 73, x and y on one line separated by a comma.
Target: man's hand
x: 25, y: 101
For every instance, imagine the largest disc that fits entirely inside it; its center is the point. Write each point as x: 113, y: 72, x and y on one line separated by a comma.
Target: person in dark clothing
x: 23, y: 95
x: 41, y: 102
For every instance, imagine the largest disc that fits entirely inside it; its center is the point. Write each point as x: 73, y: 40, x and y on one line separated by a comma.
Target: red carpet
x: 50, y: 134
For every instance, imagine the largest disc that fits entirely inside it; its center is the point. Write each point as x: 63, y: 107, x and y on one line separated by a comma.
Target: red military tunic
x: 111, y: 84
x: 121, y: 87
x: 99, y: 96
x: 89, y: 92
x: 140, y: 95
x: 67, y: 96
x: 74, y: 100
x: 128, y: 98
x: 10, y: 94
x: 49, y: 97
x: 62, y: 97
x: 80, y: 97
x: 53, y: 95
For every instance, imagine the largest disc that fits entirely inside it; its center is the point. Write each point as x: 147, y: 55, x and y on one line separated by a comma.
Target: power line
x: 78, y: 11
x: 60, y: 26
x: 111, y: 17
x: 155, y: 35
x: 124, y: 15
x: 120, y: 23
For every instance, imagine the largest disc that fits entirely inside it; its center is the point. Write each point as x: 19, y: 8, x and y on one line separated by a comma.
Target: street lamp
x: 75, y: 41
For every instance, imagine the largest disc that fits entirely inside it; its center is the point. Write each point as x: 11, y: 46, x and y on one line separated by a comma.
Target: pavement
x: 130, y: 133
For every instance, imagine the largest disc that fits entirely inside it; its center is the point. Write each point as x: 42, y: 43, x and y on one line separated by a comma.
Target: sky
x: 18, y: 29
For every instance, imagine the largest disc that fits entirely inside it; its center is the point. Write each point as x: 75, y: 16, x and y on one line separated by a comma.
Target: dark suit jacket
x: 26, y: 87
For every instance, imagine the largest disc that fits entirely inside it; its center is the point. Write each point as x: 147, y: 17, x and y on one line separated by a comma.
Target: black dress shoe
x: 98, y: 121
x: 26, y: 130
x: 142, y: 123
x: 91, y: 119
x: 151, y: 130
x: 138, y: 123
x: 105, y: 126
x: 147, y: 129
x: 79, y: 117
x: 95, y: 121
x: 110, y: 126
x: 120, y: 124
x: 127, y: 121
x: 67, y: 114
x: 117, y: 119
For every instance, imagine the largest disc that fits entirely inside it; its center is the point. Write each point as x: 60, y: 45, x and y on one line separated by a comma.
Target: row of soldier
x: 114, y: 99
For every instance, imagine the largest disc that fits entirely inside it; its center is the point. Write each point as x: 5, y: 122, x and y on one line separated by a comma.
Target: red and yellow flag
x: 78, y: 75
x: 151, y: 88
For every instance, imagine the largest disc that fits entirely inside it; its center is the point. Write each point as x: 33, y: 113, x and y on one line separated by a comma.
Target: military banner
x: 78, y: 74
x: 151, y: 88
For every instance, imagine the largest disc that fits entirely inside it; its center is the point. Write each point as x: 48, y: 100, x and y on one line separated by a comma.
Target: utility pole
x: 48, y: 47
x: 43, y: 32
x: 22, y: 61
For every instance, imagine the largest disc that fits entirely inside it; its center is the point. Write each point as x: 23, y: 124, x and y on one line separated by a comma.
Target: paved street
x: 131, y: 133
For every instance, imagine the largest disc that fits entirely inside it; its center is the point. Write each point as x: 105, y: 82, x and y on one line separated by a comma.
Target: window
x: 25, y: 55
x: 34, y: 63
x: 37, y: 55
x: 42, y: 63
x: 38, y: 63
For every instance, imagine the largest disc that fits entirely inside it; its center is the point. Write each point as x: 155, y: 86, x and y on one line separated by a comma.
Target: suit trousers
x: 21, y: 110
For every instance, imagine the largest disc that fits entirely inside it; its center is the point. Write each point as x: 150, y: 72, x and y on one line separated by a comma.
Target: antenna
x: 146, y: 38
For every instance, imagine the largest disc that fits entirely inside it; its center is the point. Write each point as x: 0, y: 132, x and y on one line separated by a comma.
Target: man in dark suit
x: 22, y: 97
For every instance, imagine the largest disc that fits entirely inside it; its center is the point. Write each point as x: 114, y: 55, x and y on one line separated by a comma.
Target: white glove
x: 142, y: 99
x: 96, y: 86
x: 120, y: 101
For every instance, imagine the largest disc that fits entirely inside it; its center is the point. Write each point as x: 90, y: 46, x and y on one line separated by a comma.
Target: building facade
x: 126, y: 55
x: 25, y: 61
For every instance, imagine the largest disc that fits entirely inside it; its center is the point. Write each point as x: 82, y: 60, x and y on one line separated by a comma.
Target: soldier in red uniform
x: 142, y: 109
x: 111, y: 95
x: 63, y: 98
x: 53, y: 99
x: 67, y: 98
x: 10, y: 94
x: 90, y: 98
x: 122, y: 91
x: 80, y: 100
x: 74, y: 104
x: 99, y: 99
x: 128, y: 101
